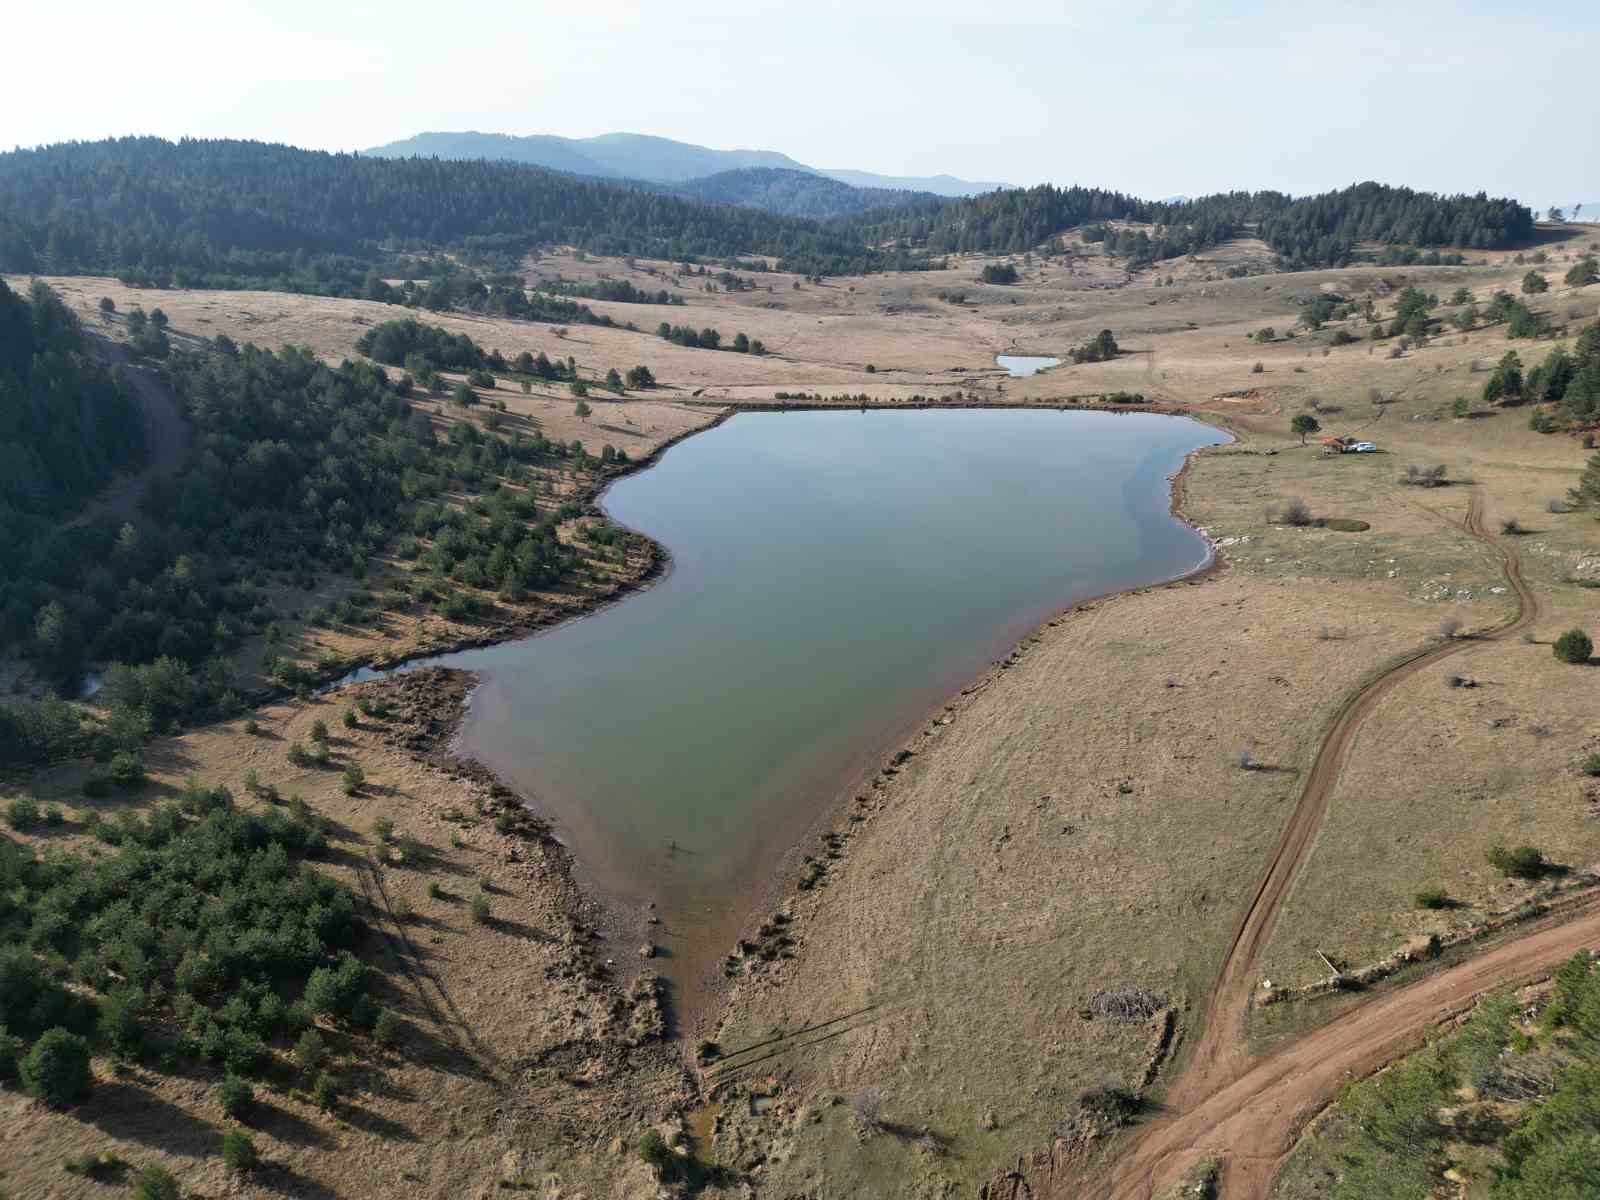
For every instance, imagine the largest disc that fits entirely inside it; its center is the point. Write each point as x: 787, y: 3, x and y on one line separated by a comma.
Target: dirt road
x: 1252, y: 1122
x: 166, y: 436
x: 1223, y: 1100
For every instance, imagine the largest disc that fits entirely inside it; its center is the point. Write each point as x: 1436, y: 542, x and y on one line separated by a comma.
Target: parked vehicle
x: 1362, y: 448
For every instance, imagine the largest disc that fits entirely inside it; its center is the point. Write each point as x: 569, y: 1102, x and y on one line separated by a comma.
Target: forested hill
x: 800, y: 193
x: 1306, y: 231
x: 1325, y: 229
x: 65, y: 423
x: 250, y: 214
x: 215, y: 213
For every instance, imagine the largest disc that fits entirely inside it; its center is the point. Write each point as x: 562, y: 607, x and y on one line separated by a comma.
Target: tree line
x: 225, y: 213
x: 66, y: 422
x: 296, y: 469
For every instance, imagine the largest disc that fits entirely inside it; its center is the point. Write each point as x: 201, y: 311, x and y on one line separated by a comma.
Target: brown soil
x: 1221, y: 1055
x: 1074, y: 822
x: 1253, y: 1120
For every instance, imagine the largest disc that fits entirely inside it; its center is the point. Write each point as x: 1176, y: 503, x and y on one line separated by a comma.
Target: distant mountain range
x: 653, y: 159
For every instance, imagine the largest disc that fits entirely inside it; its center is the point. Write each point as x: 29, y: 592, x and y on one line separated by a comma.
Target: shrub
x: 22, y: 814
x: 435, y: 892
x: 1511, y: 526
x: 1432, y: 897
x: 156, y: 1183
x: 354, y: 779
x: 1519, y: 862
x: 325, y: 1092
x: 319, y: 730
x: 119, y: 1019
x: 1573, y: 646
x: 126, y: 769
x: 297, y: 755
x: 383, y: 829
x: 239, y: 1151
x: 350, y: 720
x: 102, y: 1168
x: 10, y: 1055
x: 56, y: 1070
x: 236, y: 1096
x: 654, y: 1150
x: 386, y: 1030
x: 1110, y: 1103
x: 1591, y: 765
x: 310, y: 1050
x: 480, y: 909
x: 252, y: 727
x: 1296, y: 512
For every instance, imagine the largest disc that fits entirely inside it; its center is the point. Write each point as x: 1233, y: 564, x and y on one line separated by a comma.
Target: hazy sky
x: 1151, y: 98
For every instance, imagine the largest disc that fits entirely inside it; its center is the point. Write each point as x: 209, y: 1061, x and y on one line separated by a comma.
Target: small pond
x: 1020, y: 366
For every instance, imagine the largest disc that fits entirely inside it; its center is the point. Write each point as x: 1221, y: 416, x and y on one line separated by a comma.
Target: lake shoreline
x: 781, y: 894
x: 625, y: 925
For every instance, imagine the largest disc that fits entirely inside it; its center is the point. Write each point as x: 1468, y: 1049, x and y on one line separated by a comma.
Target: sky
x: 1152, y: 99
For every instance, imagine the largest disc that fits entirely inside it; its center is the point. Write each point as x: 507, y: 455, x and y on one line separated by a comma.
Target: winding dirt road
x: 166, y: 436
x: 1250, y: 1111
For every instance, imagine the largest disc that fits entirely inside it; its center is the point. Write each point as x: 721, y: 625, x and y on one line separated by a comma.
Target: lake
x: 1020, y: 366
x: 835, y: 576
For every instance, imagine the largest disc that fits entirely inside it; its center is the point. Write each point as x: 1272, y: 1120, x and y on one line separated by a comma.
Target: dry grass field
x: 499, y: 1018
x: 1074, y: 823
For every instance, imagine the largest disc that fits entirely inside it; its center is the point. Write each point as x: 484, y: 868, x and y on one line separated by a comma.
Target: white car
x: 1363, y: 448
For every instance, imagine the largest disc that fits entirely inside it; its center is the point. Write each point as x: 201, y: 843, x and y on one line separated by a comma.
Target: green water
x: 835, y: 575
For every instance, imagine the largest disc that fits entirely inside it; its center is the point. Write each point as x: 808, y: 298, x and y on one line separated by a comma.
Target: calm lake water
x: 835, y: 576
x: 1020, y: 366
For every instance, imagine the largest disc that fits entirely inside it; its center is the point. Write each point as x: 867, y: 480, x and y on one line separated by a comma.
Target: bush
x: 1296, y: 512
x: 319, y: 730
x: 56, y: 1070
x: 350, y: 719
x: 10, y: 1055
x: 119, y: 1019
x: 386, y: 1030
x: 354, y: 779
x: 239, y: 1151
x: 1591, y: 765
x: 480, y: 909
x: 102, y: 1168
x: 22, y: 814
x: 156, y: 1183
x: 126, y: 770
x: 1432, y: 897
x: 435, y: 892
x: 325, y: 1092
x: 654, y: 1150
x: 310, y: 1050
x: 1520, y: 862
x: 236, y: 1096
x: 383, y: 829
x: 297, y: 755
x: 1573, y: 646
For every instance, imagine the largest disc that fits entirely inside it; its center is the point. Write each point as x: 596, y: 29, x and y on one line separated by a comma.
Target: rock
x: 647, y: 950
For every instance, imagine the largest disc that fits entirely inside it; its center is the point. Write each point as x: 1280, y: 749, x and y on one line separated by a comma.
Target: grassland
x: 1076, y: 822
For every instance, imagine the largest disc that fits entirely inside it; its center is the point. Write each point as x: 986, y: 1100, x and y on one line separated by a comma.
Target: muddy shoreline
x: 621, y: 925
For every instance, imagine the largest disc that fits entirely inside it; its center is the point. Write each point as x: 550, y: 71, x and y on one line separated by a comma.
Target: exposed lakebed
x: 835, y: 575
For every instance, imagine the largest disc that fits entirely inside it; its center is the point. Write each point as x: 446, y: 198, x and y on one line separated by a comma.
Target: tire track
x: 440, y: 1007
x: 1220, y: 1057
